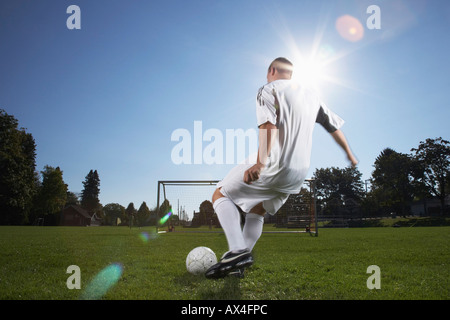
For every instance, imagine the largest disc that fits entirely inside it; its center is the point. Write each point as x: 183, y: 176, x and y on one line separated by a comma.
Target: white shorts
x: 247, y: 196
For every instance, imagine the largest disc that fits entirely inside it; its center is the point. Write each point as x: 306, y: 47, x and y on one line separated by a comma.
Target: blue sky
x: 108, y: 96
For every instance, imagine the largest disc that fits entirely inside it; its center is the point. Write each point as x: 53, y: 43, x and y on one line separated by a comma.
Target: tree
x: 339, y: 184
x: 91, y: 191
x: 162, y: 214
x: 52, y: 194
x: 130, y: 213
x: 392, y: 180
x: 433, y: 156
x: 113, y: 213
x: 337, y: 188
x: 164, y: 208
x: 72, y: 198
x: 206, y: 215
x: 17, y: 171
x: 143, y: 214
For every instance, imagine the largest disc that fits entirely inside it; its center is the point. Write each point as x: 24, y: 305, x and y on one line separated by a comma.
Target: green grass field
x: 414, y: 264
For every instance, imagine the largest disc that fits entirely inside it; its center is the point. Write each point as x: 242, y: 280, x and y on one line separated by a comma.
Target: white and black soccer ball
x: 199, y: 260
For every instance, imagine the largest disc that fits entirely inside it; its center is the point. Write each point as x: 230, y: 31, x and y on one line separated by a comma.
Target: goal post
x: 190, y: 203
x: 184, y: 198
x: 299, y: 211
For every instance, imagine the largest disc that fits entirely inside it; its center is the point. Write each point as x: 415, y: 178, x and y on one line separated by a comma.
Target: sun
x: 310, y: 71
x: 317, y: 65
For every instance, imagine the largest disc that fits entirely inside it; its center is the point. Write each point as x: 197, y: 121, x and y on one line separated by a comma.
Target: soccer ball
x: 199, y: 260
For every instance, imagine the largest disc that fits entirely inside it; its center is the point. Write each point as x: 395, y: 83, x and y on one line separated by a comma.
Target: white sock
x: 230, y: 220
x: 252, y: 229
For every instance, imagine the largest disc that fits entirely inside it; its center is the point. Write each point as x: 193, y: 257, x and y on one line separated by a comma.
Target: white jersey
x: 294, y: 110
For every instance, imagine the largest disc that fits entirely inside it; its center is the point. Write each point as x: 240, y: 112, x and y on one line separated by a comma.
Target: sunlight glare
x: 309, y: 72
x: 317, y: 68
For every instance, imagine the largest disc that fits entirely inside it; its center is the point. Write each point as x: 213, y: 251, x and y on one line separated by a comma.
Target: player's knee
x: 258, y: 209
x: 216, y: 195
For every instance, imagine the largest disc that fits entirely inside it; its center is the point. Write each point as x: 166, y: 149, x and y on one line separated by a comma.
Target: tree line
x: 28, y: 195
x: 398, y: 180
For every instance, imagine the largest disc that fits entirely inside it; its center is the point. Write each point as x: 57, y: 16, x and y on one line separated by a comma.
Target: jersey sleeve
x: 328, y: 119
x: 266, y: 106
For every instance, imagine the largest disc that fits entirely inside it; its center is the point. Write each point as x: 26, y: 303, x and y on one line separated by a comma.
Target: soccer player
x: 286, y: 113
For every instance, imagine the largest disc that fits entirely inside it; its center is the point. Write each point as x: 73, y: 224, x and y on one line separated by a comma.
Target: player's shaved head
x: 283, y: 66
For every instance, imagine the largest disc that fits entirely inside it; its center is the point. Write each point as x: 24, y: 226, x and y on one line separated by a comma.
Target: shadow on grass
x: 228, y: 290
x: 206, y: 289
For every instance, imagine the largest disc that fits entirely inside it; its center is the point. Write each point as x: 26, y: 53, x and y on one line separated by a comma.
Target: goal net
x: 188, y: 203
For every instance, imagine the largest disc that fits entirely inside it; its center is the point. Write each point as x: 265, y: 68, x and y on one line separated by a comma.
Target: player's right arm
x: 267, y: 136
x: 266, y: 116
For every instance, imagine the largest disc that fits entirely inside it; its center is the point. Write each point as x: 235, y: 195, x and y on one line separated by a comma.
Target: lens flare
x: 350, y: 28
x: 144, y: 236
x: 102, y: 282
x: 165, y: 218
x: 147, y: 236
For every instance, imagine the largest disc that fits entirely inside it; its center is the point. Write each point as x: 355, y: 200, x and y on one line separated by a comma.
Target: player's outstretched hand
x: 252, y: 174
x: 353, y: 160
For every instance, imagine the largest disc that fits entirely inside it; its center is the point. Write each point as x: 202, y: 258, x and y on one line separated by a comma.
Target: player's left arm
x: 332, y: 123
x: 340, y: 139
x: 267, y: 136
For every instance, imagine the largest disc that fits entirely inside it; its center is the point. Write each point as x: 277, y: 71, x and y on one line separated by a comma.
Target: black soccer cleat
x: 238, y: 273
x: 230, y: 262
